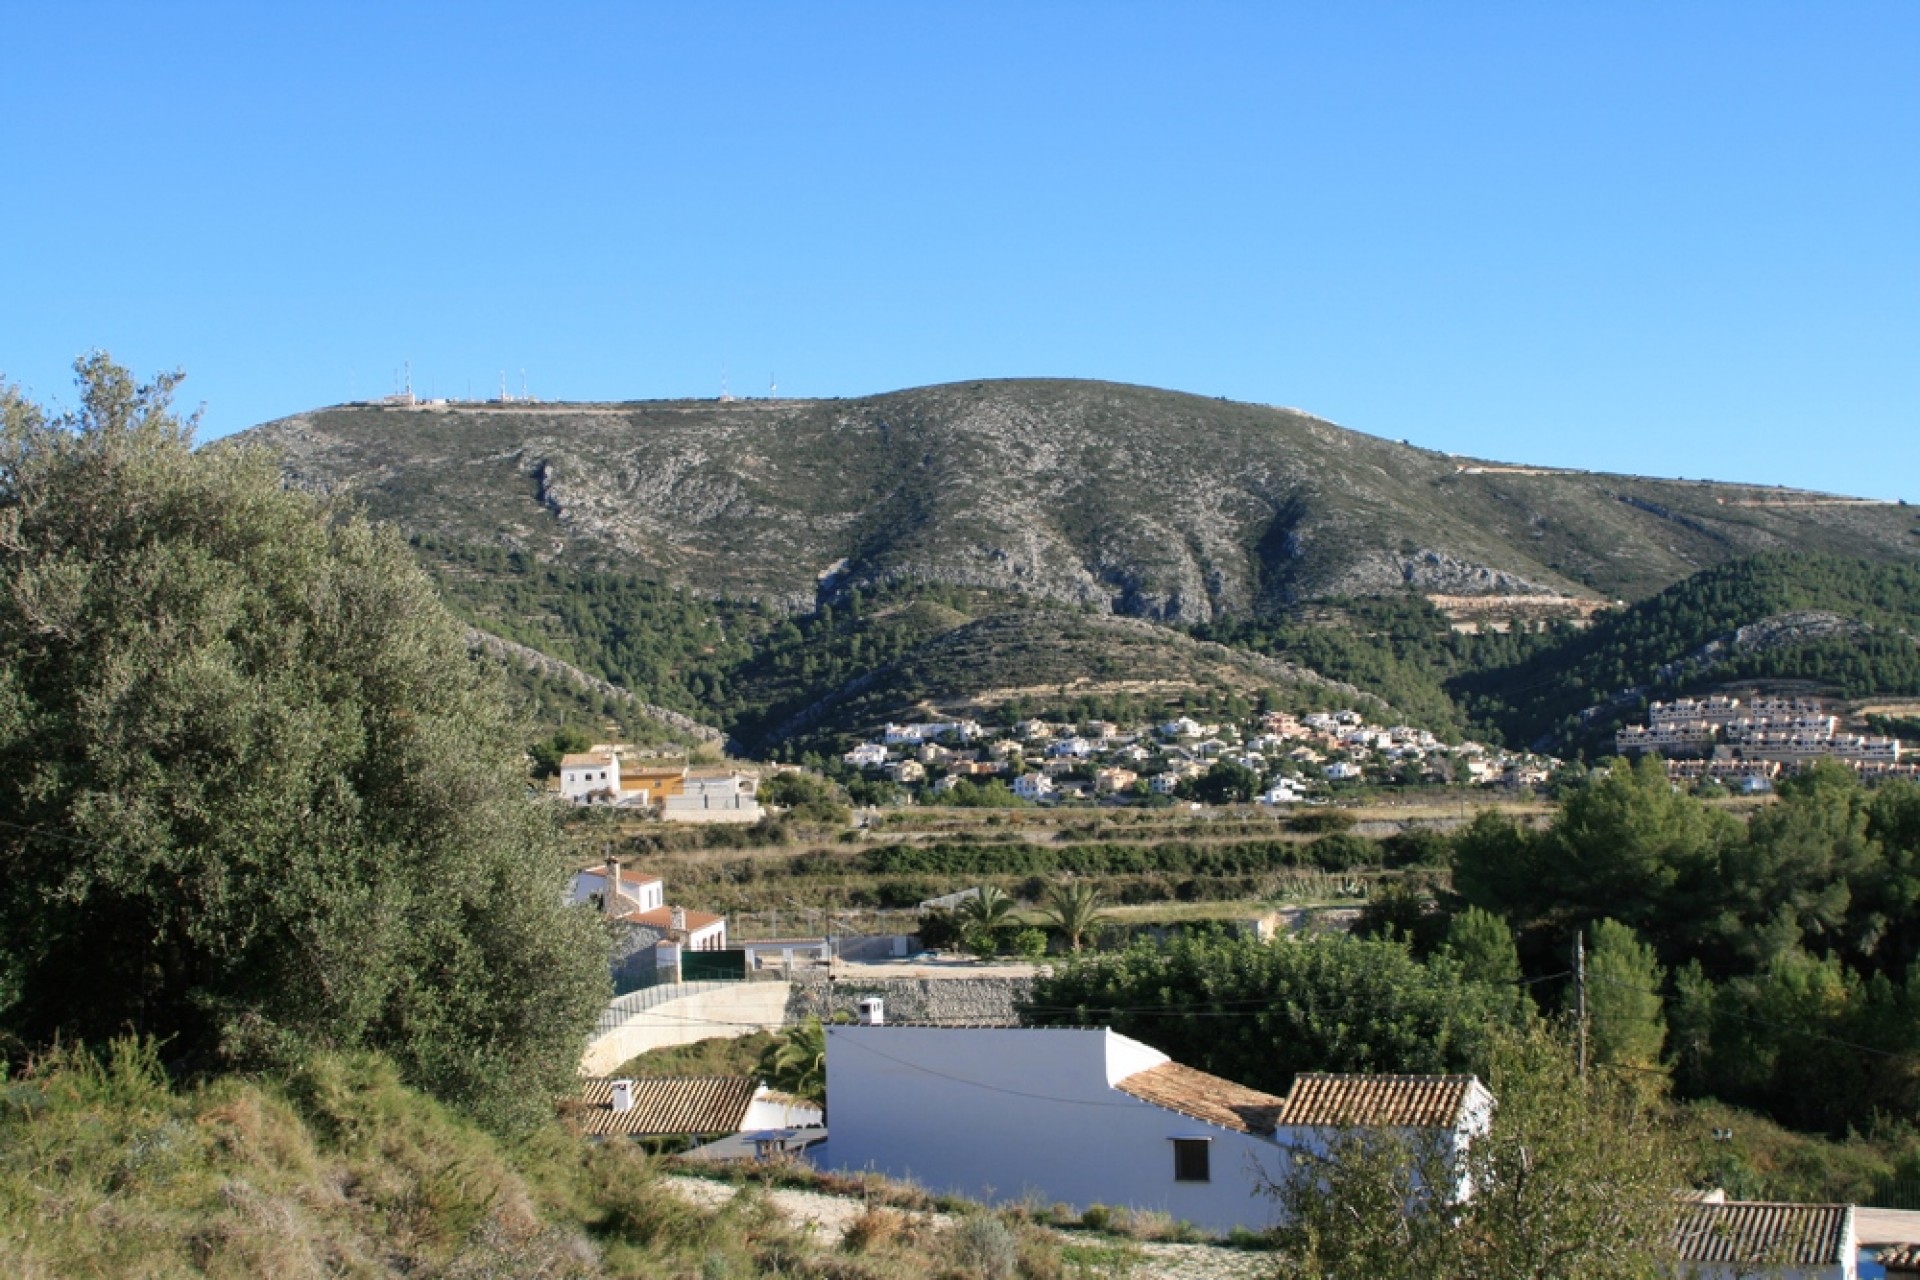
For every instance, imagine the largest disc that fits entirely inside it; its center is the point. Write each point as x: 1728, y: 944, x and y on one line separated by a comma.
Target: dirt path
x: 827, y: 1218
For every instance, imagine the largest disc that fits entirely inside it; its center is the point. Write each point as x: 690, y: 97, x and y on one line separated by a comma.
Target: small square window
x: 1190, y: 1160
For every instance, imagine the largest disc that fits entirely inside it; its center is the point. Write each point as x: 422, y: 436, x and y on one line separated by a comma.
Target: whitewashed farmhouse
x: 1086, y: 1116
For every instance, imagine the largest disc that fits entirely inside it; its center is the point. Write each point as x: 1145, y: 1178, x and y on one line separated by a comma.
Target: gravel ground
x: 828, y: 1217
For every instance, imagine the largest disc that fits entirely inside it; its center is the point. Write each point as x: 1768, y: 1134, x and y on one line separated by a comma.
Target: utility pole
x: 1580, y: 998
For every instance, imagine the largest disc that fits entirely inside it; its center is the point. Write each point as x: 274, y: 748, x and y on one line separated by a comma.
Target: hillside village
x: 1092, y: 1122
x: 1289, y: 759
x: 444, y: 939
x: 1748, y: 745
x: 922, y: 1097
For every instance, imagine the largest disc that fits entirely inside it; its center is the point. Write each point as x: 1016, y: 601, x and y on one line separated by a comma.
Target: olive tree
x: 1572, y: 1179
x: 255, y: 794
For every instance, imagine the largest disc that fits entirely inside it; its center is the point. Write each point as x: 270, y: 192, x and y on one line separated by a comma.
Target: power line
x: 1119, y: 1010
x: 57, y: 835
x: 981, y: 1084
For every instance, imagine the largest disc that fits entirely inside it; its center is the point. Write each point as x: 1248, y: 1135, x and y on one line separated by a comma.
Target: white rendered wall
x: 1002, y: 1113
x: 738, y: 1009
x: 581, y: 780
x: 648, y: 892
x: 765, y: 1112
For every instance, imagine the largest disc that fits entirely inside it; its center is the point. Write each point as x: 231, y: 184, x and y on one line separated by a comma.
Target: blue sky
x: 1673, y: 239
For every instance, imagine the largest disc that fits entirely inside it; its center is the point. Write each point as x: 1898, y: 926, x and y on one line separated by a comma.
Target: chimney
x: 622, y: 1095
x: 610, y: 891
x: 873, y: 1011
x: 677, y: 919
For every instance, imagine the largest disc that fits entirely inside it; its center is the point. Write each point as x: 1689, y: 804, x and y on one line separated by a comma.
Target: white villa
x: 1087, y: 1116
x: 641, y: 901
x: 590, y: 776
x: 1033, y: 786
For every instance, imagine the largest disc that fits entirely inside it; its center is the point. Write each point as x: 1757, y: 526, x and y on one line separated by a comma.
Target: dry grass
x: 876, y: 1227
x: 339, y: 1170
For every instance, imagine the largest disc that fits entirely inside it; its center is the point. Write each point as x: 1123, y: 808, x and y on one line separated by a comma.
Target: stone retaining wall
x: 960, y: 1001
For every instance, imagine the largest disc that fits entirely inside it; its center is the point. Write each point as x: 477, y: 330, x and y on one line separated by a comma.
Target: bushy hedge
x: 1337, y: 852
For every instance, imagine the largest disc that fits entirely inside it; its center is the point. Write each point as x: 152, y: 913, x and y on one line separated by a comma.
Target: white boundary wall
x: 662, y: 1017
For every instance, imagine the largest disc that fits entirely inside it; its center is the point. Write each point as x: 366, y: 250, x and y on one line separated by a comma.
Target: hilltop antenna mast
x: 523, y: 384
x: 725, y: 395
x: 503, y: 386
x: 409, y: 392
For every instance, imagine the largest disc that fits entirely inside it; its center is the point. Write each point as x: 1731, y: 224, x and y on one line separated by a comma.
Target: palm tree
x: 982, y: 916
x: 1076, y: 909
x: 796, y: 1063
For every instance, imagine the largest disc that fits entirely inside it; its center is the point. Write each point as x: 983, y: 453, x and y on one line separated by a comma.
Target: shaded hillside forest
x: 1688, y: 638
x: 785, y: 684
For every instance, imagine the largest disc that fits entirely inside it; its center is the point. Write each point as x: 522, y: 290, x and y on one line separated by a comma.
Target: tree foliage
x: 1260, y: 1012
x: 796, y: 1063
x: 805, y: 796
x: 1624, y: 1005
x: 983, y: 918
x: 1574, y: 1178
x: 1792, y: 940
x: 255, y: 796
x: 1076, y: 909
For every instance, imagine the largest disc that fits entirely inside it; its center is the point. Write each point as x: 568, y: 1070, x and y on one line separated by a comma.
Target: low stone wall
x: 953, y: 1001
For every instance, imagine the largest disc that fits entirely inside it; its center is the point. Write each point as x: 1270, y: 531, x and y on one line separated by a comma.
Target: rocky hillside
x: 1123, y: 499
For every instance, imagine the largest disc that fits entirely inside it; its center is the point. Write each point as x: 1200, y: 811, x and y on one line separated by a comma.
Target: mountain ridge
x: 1123, y: 499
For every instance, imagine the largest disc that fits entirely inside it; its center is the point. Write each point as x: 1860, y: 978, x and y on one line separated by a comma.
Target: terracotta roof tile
x: 1900, y: 1257
x: 668, y: 1105
x: 662, y: 918
x: 1203, y: 1097
x: 1416, y: 1102
x: 1412, y: 1102
x: 1750, y: 1232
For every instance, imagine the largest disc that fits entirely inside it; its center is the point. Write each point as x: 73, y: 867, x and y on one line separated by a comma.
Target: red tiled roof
x: 1904, y: 1258
x: 1757, y: 1232
x: 1203, y: 1097
x: 1412, y: 1102
x: 662, y: 918
x: 1400, y: 1102
x: 628, y: 877
x: 670, y: 1105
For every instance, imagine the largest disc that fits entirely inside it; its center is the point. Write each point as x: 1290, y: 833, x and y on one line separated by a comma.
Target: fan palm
x: 983, y: 916
x: 1076, y: 909
x: 797, y: 1062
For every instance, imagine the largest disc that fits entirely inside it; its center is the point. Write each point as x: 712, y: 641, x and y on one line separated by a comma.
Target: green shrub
x: 985, y: 1248
x: 1318, y: 821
